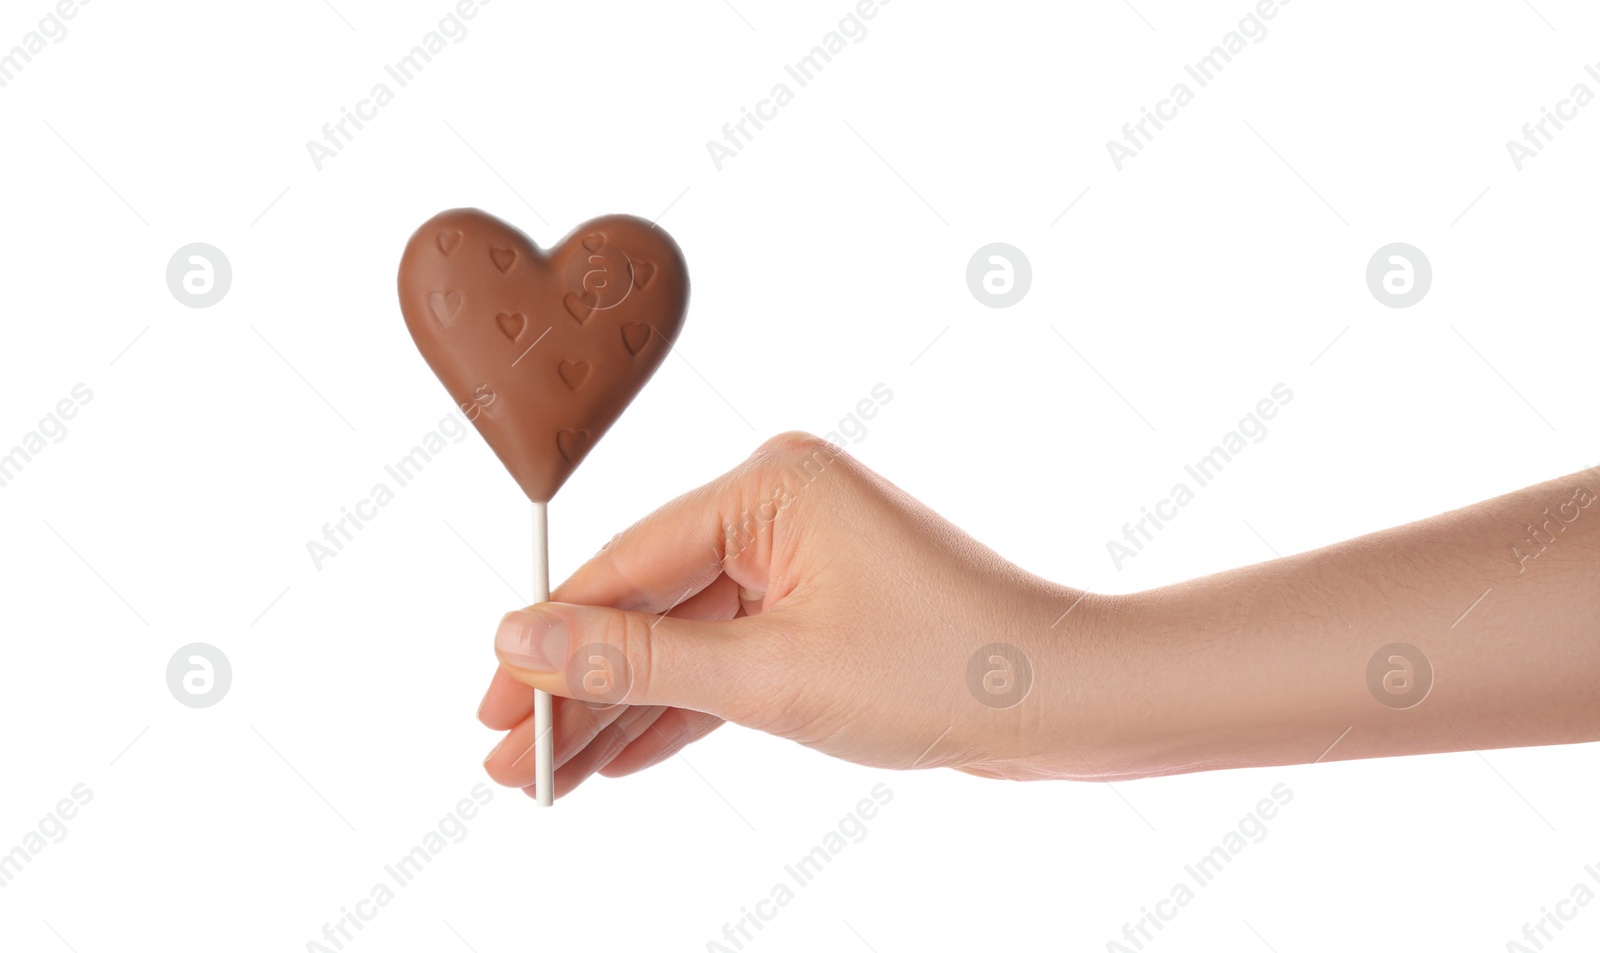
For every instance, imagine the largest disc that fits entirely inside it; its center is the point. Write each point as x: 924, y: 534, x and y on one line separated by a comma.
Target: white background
x: 827, y: 257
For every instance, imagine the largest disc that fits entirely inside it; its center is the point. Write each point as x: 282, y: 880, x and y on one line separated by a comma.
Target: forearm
x: 1273, y: 663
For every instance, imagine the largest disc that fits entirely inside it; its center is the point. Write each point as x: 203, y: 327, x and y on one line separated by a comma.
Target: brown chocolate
x: 542, y: 352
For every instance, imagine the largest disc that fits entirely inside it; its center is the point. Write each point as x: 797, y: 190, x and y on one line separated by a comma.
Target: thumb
x: 606, y: 655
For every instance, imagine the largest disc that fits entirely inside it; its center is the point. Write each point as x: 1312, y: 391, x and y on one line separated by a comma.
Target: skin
x: 805, y: 596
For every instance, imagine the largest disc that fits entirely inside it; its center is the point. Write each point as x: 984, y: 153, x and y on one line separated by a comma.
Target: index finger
x: 657, y: 562
x: 684, y: 546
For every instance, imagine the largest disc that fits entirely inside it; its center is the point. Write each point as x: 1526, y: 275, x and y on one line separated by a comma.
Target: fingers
x: 577, y: 725
x: 509, y: 701
x: 686, y: 581
x: 586, y: 738
x: 715, y: 603
x: 605, y: 746
x: 675, y: 730
x: 689, y: 542
x: 506, y: 703
x: 613, y: 742
x: 603, y: 654
x: 650, y: 566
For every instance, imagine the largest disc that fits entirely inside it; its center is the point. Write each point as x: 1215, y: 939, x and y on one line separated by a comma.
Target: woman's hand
x: 802, y: 595
x: 811, y: 599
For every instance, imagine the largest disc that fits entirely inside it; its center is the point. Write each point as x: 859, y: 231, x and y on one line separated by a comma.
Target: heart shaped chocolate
x: 542, y: 352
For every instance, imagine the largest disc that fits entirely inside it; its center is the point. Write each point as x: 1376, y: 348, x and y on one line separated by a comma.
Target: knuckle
x: 789, y: 463
x: 606, y: 655
x: 632, y: 636
x: 793, y: 446
x: 609, y: 742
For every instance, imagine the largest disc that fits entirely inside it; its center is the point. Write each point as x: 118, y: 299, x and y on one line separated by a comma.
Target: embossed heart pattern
x: 542, y: 352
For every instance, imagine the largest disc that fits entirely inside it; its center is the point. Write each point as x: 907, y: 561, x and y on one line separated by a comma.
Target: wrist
x: 1106, y: 720
x: 1097, y: 712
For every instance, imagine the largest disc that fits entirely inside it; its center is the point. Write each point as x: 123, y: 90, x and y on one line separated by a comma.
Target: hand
x: 802, y: 595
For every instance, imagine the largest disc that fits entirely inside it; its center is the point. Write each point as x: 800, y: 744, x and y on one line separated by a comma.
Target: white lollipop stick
x: 544, y: 749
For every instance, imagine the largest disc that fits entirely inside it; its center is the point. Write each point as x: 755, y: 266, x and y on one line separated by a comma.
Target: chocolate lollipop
x: 542, y: 352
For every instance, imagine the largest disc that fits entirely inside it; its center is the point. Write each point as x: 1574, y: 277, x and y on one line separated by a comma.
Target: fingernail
x: 532, y: 640
x: 494, y: 751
